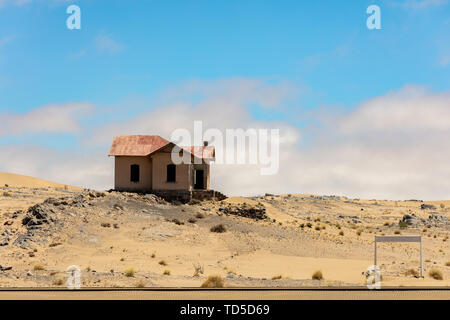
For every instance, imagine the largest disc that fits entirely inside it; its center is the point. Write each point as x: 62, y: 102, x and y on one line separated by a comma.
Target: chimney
x: 205, y: 143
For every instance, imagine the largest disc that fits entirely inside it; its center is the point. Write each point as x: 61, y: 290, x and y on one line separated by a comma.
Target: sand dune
x: 18, y: 180
x: 107, y: 233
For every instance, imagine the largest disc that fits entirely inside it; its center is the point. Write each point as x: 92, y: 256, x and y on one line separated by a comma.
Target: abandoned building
x: 143, y: 163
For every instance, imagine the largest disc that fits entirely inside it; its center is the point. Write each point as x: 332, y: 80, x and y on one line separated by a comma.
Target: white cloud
x: 46, y: 119
x: 6, y: 40
x: 106, y: 44
x: 4, y: 3
x: 419, y: 4
x: 395, y: 146
x: 445, y: 61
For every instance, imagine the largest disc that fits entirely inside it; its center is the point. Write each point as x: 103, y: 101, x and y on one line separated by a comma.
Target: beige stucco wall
x: 160, y: 161
x: 122, y: 173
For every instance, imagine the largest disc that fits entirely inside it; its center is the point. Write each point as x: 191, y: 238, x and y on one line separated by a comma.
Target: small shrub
x: 277, y: 277
x: 397, y: 232
x: 447, y: 264
x: 213, y: 282
x: 129, y: 272
x: 341, y: 233
x: 317, y: 228
x: 163, y: 263
x: 166, y: 272
x: 412, y: 272
x: 198, y: 269
x: 177, y: 222
x: 442, y: 206
x: 386, y: 224
x: 192, y: 220
x: 153, y: 255
x: 435, y: 274
x: 358, y: 232
x: 6, y: 194
x: 58, y: 282
x: 38, y: 267
x: 140, y: 284
x: 317, y: 275
x: 199, y: 216
x: 218, y: 228
x: 309, y: 225
x: 403, y: 225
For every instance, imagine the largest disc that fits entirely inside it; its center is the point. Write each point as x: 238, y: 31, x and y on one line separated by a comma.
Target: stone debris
x: 425, y: 206
x: 257, y: 212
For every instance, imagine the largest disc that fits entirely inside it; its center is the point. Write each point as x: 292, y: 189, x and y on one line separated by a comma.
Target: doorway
x: 199, y: 184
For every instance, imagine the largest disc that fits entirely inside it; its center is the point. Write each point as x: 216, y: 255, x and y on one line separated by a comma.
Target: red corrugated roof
x: 136, y: 145
x: 202, y: 152
x: 141, y: 145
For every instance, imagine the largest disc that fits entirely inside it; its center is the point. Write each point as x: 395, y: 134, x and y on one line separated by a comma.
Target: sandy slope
x: 17, y: 180
x: 250, y: 253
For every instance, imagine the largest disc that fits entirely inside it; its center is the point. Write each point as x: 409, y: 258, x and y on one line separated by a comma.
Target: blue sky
x: 129, y: 54
x: 324, y: 46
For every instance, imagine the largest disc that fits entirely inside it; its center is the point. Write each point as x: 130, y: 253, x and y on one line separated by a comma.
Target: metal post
x: 375, y: 254
x: 421, y: 261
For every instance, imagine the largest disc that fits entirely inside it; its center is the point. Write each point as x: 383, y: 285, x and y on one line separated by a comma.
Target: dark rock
x: 5, y: 268
x: 38, y: 215
x: 257, y: 212
x: 425, y: 206
x: 4, y: 242
x: 410, y: 219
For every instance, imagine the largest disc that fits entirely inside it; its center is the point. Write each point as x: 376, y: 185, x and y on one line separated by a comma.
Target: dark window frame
x: 135, y: 173
x: 171, y: 173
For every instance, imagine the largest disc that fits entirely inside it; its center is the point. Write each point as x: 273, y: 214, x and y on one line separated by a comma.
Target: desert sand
x: 131, y: 240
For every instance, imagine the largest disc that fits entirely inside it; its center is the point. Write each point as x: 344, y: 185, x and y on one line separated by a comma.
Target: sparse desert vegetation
x: 317, y: 275
x: 220, y: 228
x: 38, y: 267
x: 129, y: 272
x: 436, y: 274
x: 43, y: 228
x: 214, y: 281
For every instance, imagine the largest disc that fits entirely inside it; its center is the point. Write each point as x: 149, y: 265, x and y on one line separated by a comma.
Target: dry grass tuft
x: 220, y: 228
x: 412, y: 272
x: 198, y: 269
x: 166, y: 272
x: 163, y: 263
x: 317, y: 275
x: 58, y: 282
x: 213, y: 282
x: 129, y: 272
x: 436, y: 274
x: 38, y: 267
